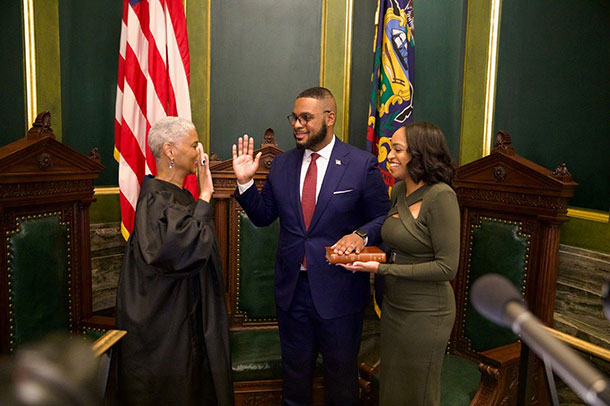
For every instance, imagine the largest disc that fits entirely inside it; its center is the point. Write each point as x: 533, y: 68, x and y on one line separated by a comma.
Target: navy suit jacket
x: 353, y: 196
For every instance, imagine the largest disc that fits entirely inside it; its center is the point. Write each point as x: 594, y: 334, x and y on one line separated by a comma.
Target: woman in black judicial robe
x: 170, y: 297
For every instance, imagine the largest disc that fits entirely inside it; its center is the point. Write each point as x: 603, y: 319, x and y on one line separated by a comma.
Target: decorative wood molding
x: 508, y: 198
x: 44, y: 189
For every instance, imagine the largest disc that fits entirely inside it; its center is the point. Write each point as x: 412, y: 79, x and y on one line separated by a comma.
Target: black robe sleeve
x: 171, y: 236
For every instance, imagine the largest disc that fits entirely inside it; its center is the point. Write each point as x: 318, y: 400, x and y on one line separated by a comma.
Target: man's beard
x: 315, y: 139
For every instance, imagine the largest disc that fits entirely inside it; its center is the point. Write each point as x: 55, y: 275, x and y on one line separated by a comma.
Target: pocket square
x: 338, y: 192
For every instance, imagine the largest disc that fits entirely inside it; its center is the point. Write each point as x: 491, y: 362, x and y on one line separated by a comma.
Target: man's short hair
x: 316, y: 93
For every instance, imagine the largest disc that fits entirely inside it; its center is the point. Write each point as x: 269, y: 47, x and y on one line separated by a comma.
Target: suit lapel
x: 337, y: 165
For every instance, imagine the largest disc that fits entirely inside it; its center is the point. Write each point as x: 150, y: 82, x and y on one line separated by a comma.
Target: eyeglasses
x: 303, y: 118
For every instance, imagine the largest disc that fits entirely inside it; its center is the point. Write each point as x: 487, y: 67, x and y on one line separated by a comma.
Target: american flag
x: 152, y: 83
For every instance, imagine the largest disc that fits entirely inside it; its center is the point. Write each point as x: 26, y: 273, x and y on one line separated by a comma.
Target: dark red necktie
x: 308, y: 197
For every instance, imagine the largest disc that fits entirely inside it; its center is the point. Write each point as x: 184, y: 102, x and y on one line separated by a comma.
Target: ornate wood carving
x: 513, y: 199
x: 562, y: 173
x: 269, y: 138
x: 41, y: 127
x: 44, y: 189
x: 503, y: 143
x: 499, y: 173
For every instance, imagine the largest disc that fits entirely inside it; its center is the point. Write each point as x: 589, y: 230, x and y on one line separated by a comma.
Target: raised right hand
x: 244, y: 164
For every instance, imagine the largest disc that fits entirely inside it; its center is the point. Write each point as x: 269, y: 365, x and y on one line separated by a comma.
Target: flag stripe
x: 152, y: 82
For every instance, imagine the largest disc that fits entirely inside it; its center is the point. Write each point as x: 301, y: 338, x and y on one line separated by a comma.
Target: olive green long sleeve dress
x: 418, y: 307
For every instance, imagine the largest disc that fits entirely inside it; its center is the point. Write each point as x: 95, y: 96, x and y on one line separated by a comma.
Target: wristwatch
x: 361, y: 233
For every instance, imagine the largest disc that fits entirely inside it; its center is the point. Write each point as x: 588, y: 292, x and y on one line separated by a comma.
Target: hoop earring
x: 171, y: 163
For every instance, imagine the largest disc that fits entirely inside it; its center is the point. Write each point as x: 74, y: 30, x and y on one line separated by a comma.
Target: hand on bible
x: 244, y: 162
x: 348, y: 243
x: 369, y: 266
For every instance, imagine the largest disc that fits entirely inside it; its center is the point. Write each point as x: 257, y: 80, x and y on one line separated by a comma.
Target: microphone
x: 497, y: 299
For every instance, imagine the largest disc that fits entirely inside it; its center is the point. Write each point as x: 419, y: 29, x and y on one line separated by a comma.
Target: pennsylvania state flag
x: 392, y: 88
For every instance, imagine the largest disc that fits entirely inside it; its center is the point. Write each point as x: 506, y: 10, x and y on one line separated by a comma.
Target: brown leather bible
x: 367, y: 254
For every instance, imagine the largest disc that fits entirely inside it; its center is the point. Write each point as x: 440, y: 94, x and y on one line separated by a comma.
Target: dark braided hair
x: 430, y: 157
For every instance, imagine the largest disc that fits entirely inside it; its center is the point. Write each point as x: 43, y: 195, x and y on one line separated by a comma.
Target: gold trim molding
x: 347, y: 67
x: 335, y: 57
x: 323, y: 43
x: 106, y: 190
x: 29, y: 41
x: 492, y: 62
x: 590, y: 215
x: 581, y: 345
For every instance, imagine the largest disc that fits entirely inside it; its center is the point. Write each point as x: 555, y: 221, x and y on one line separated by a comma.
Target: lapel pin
x: 337, y: 162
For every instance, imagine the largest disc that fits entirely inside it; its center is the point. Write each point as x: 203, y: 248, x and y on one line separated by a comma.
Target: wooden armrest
x: 499, y: 369
x: 502, y: 355
x: 110, y: 338
x: 369, y: 371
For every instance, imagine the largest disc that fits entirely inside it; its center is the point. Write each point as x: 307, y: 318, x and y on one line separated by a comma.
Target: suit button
x: 306, y: 238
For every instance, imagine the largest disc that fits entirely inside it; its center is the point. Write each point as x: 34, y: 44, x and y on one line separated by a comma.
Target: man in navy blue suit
x: 325, y: 193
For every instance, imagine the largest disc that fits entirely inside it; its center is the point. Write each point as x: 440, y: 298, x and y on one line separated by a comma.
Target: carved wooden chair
x: 248, y: 254
x: 45, y: 275
x: 511, y: 210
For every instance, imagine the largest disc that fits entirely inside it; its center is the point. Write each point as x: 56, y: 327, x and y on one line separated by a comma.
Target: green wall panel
x: 89, y: 43
x: 439, y: 66
x: 553, y: 89
x: 263, y: 54
x: 12, y: 97
x: 363, y: 35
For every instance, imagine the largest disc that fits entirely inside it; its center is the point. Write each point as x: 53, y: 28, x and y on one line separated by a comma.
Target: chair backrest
x: 491, y: 243
x: 247, y: 251
x: 39, y: 294
x: 252, y: 280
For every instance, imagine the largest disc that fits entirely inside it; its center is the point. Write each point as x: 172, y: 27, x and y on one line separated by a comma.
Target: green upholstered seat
x: 496, y: 246
x: 256, y: 269
x: 39, y: 278
x: 459, y: 381
x: 256, y: 355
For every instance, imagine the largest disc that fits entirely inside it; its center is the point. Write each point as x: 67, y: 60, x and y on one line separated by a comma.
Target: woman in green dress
x: 423, y: 231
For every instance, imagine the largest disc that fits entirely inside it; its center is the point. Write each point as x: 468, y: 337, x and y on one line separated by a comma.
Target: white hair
x: 168, y: 129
